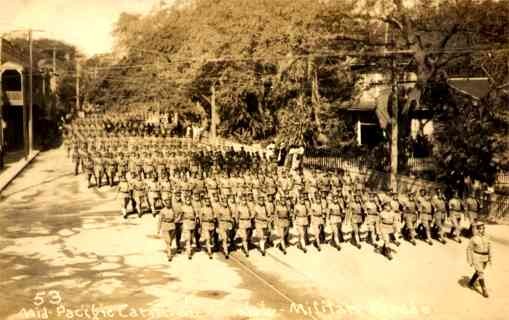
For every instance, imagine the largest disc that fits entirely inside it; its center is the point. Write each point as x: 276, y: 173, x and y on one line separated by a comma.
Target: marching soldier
x: 347, y: 184
x: 148, y: 165
x: 335, y: 216
x: 455, y: 211
x: 123, y: 165
x: 372, y: 219
x: 472, y: 208
x: 207, y: 224
x: 138, y: 162
x: 479, y: 254
x: 226, y: 223
x: 153, y: 193
x: 356, y: 213
x: 301, y: 218
x: 139, y: 194
x: 409, y: 208
x: 426, y: 216
x: 165, y: 186
x: 166, y: 226
x: 316, y: 213
x: 262, y: 221
x: 125, y: 189
x: 336, y: 184
x: 100, y: 166
x: 160, y: 163
x: 225, y: 185
x: 439, y: 213
x: 112, y: 165
x: 388, y: 217
x: 243, y: 215
x: 76, y: 157
x: 188, y: 223
x: 396, y: 207
x: 89, y: 168
x: 282, y: 221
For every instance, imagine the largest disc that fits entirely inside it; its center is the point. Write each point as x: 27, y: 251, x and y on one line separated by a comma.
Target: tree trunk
x: 394, y: 136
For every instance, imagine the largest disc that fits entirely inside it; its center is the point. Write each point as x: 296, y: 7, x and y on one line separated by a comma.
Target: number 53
x: 53, y: 297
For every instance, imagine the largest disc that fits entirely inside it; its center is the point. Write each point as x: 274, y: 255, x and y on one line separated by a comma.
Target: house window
x: 370, y: 134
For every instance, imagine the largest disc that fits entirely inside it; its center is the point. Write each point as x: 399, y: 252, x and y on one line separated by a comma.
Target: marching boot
x: 302, y: 245
x: 124, y: 213
x: 188, y: 250
x: 387, y: 252
x: 197, y: 241
x: 225, y: 250
x: 245, y: 248
x: 209, y: 250
x: 397, y: 243
x: 483, y: 287
x: 283, y: 247
x: 317, y: 245
x: 471, y: 283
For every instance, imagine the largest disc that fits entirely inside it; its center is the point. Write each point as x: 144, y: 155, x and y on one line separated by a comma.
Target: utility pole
x: 213, y: 114
x: 30, y: 139
x: 78, y: 69
x: 54, y: 60
x: 394, y: 129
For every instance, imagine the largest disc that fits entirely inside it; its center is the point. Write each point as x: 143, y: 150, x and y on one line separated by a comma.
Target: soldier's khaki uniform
x: 125, y: 189
x: 356, y: 210
x: 207, y: 224
x: 188, y: 225
x: 167, y: 227
x: 317, y: 218
x: 226, y: 225
x: 140, y: 195
x: 387, y: 220
x: 409, y: 208
x: 479, y: 254
x: 426, y: 217
x: 372, y: 220
x: 472, y: 208
x: 282, y: 222
x: 301, y: 214
x: 244, y: 217
x: 262, y: 222
x: 455, y: 212
x: 335, y: 215
x: 439, y: 215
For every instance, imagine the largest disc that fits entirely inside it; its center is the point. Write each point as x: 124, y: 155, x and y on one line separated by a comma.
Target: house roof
x: 477, y: 87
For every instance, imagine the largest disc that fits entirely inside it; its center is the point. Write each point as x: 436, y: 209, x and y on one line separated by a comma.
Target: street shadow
x: 463, y: 281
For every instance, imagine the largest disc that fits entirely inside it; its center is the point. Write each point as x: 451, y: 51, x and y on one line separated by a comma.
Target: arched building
x: 14, y: 95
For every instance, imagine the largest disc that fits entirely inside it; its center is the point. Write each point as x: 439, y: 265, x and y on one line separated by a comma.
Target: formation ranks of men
x: 218, y: 198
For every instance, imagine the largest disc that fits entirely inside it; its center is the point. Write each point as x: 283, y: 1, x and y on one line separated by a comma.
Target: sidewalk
x: 15, y: 163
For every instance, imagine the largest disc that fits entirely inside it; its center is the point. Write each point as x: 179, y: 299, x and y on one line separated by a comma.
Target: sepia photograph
x: 254, y: 159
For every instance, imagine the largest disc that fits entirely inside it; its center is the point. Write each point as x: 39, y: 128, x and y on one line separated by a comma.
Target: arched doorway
x: 11, y: 80
x: 12, y: 108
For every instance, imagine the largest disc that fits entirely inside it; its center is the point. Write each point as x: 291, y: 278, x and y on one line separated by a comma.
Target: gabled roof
x: 476, y: 87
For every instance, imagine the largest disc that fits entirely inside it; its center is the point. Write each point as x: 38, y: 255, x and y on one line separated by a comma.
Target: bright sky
x: 88, y: 24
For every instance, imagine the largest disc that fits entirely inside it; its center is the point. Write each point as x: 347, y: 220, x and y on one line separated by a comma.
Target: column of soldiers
x: 220, y: 196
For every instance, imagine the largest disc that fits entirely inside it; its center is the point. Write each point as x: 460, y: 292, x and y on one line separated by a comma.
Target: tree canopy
x: 284, y: 68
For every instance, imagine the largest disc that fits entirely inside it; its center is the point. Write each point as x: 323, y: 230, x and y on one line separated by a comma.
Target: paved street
x: 66, y: 253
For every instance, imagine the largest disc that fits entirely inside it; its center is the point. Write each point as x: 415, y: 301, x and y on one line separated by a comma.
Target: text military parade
x: 217, y: 196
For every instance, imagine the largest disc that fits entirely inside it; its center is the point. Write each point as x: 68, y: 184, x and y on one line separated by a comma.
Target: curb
x: 10, y: 174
